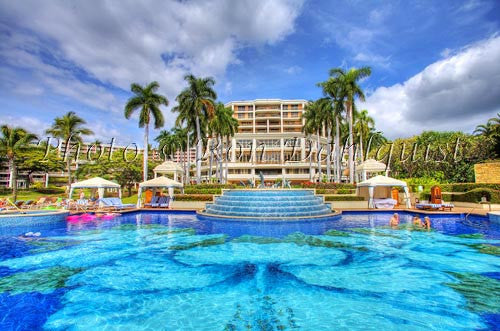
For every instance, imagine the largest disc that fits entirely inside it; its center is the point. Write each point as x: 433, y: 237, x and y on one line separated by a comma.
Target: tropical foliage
x: 69, y: 128
x: 148, y: 102
x: 196, y: 103
x: 13, y: 142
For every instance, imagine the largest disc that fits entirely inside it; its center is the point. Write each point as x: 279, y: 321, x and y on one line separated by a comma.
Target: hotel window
x: 241, y: 108
x: 285, y: 107
x: 241, y: 115
x: 295, y: 107
x: 295, y: 114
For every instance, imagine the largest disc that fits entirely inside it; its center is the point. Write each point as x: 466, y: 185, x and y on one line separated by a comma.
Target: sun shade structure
x: 169, y: 167
x: 155, y: 183
x: 98, y: 183
x: 370, y: 166
x: 379, y: 187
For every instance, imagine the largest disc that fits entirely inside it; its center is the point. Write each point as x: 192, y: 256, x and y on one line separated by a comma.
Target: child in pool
x: 394, y: 221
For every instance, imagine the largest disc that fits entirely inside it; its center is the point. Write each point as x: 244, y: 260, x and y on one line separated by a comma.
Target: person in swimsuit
x: 427, y: 222
x: 417, y: 221
x: 394, y: 221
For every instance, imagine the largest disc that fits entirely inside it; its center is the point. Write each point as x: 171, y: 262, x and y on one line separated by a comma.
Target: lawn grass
x: 29, y: 195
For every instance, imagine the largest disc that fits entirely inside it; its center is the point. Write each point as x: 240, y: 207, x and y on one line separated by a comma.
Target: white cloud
x: 458, y: 92
x: 128, y: 41
x: 293, y: 70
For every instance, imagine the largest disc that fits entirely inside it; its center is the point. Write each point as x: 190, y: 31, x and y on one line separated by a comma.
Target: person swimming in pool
x: 417, y: 221
x: 427, y: 222
x: 394, y: 221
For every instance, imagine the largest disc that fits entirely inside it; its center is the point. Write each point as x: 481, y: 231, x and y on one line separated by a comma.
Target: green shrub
x: 464, y: 187
x: 343, y: 198
x: 193, y: 197
x: 50, y: 190
x: 331, y: 186
x: 196, y: 190
x: 475, y: 195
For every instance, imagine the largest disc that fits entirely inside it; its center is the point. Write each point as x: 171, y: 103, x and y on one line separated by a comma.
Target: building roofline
x: 264, y: 101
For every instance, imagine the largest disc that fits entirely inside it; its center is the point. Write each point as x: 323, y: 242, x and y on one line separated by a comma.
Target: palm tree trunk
x: 145, y: 156
x: 328, y: 152
x: 310, y: 161
x: 211, y: 160
x: 198, y: 151
x: 13, y: 170
x: 227, y: 160
x: 337, y: 150
x: 361, y: 147
x: 351, y: 147
x: 318, y: 156
x: 68, y: 169
x: 188, y: 161
x: 221, y: 159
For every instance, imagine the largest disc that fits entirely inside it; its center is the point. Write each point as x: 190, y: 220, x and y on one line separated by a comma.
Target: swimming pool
x: 158, y: 270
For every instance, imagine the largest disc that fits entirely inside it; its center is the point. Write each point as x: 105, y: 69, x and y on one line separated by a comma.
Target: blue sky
x: 435, y: 64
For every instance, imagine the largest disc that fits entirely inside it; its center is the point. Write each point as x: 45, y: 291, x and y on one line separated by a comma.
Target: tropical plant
x: 148, y: 101
x: 197, y: 99
x: 363, y: 125
x: 491, y: 130
x: 313, y: 124
x: 223, y: 125
x: 350, y: 90
x: 12, y: 143
x: 69, y: 127
x: 333, y: 90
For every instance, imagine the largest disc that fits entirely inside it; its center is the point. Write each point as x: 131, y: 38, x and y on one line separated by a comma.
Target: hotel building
x: 270, y: 141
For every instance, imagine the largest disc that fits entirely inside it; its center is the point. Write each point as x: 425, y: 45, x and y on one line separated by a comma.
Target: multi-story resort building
x: 270, y: 142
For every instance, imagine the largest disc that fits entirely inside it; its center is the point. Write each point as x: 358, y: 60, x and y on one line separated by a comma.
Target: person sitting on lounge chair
x: 394, y: 221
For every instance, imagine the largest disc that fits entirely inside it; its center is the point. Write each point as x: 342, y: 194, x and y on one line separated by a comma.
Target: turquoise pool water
x: 169, y: 271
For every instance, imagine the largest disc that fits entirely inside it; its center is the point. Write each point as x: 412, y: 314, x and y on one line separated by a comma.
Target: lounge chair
x: 242, y: 183
x: 164, y: 202
x: 115, y: 203
x: 154, y: 200
x: 428, y: 206
x: 19, y: 203
x: 27, y: 204
x: 446, y: 205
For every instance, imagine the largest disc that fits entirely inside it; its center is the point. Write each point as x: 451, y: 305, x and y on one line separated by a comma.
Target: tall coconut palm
x: 167, y: 142
x: 228, y: 126
x: 363, y: 125
x: 198, y: 97
x: 350, y: 89
x: 148, y: 101
x: 12, y: 142
x: 313, y: 124
x: 333, y: 90
x: 186, y: 121
x: 69, y: 127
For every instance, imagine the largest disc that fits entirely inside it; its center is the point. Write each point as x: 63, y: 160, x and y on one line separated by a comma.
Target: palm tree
x: 223, y: 125
x: 350, y: 90
x: 332, y: 89
x: 69, y: 127
x: 228, y: 126
x: 198, y: 98
x: 148, y: 101
x: 12, y: 142
x: 188, y: 123
x: 168, y: 144
x: 363, y: 125
x: 313, y: 124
